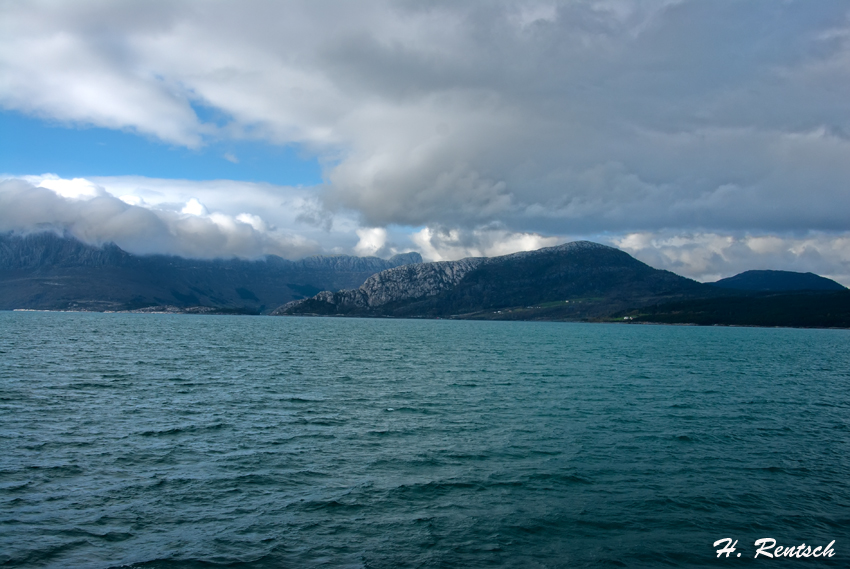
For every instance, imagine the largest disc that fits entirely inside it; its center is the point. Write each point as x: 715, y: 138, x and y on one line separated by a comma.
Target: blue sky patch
x: 30, y: 146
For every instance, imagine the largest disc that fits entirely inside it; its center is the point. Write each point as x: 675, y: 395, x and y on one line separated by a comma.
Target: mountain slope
x: 777, y: 281
x: 800, y: 309
x: 572, y: 281
x: 46, y: 271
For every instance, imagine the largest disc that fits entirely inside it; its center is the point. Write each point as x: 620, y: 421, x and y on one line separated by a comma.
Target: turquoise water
x: 204, y: 441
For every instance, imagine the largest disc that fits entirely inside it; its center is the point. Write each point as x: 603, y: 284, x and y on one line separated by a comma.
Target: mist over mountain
x: 52, y: 272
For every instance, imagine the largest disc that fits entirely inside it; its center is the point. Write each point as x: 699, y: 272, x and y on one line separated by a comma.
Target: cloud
x: 75, y: 188
x: 195, y: 208
x: 372, y: 240
x: 538, y: 118
x: 594, y: 116
x: 213, y: 220
x: 442, y: 244
x: 74, y: 64
x: 710, y: 256
x: 189, y: 228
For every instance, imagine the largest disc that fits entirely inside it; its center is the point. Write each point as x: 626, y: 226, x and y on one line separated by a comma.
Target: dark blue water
x: 182, y: 441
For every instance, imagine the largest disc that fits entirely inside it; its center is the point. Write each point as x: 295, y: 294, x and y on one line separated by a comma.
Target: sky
x: 705, y: 138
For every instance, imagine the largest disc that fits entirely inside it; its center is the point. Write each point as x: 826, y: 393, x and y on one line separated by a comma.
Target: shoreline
x: 209, y: 311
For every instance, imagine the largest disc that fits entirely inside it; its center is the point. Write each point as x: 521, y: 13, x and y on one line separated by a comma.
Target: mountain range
x: 583, y: 281
x: 574, y: 281
x: 51, y: 272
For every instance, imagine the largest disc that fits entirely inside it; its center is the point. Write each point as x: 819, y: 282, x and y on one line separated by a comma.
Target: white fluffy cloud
x: 711, y: 256
x: 212, y: 219
x: 372, y: 241
x: 536, y: 118
x: 160, y: 216
x: 440, y: 244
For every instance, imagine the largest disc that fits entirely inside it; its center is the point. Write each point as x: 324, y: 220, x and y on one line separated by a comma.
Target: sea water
x: 226, y: 441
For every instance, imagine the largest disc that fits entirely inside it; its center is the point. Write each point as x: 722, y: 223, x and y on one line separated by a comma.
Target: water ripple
x: 157, y: 441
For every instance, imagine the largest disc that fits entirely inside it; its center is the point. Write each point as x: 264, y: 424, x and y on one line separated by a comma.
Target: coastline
x: 210, y: 311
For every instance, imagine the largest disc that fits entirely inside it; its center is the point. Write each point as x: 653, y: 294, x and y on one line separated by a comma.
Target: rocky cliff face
x: 416, y: 281
x: 348, y: 263
x: 393, y: 285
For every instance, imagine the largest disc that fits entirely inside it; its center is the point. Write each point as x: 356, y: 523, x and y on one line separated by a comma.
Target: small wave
x: 110, y: 536
x: 117, y: 375
x: 295, y: 399
x: 92, y: 384
x: 44, y: 554
x: 606, y: 525
x: 59, y: 468
x: 560, y: 478
x: 181, y: 430
x: 332, y: 505
x: 468, y: 456
x: 264, y: 560
x: 15, y: 486
x: 430, y: 490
